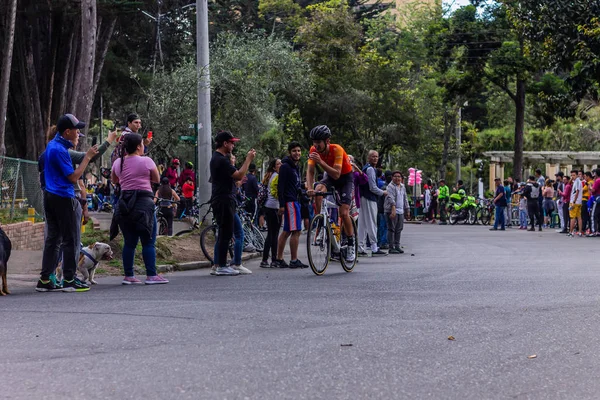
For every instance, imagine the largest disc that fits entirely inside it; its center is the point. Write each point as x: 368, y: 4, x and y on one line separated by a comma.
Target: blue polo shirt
x: 57, y: 166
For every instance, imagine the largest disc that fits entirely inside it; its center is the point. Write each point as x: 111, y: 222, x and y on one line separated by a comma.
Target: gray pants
x: 395, y: 227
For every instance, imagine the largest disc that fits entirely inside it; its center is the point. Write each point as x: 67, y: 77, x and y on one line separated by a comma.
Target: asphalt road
x: 380, y: 332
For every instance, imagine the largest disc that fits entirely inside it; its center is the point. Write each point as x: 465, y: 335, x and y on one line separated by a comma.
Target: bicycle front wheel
x: 208, y: 238
x: 348, y: 266
x: 163, y: 226
x: 318, y: 245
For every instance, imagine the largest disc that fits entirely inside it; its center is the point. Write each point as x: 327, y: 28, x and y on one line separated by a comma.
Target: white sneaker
x: 350, y: 254
x: 213, y: 270
x: 221, y: 271
x: 242, y: 270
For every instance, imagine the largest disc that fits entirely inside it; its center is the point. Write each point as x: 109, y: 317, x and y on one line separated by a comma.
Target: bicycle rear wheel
x: 318, y: 245
x: 208, y: 238
x: 256, y: 238
x: 163, y: 226
x: 348, y: 266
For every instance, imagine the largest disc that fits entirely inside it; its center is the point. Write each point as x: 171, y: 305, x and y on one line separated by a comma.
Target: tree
x: 8, y: 27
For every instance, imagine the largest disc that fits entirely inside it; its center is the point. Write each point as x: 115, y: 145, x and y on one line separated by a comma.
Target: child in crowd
x: 522, y: 209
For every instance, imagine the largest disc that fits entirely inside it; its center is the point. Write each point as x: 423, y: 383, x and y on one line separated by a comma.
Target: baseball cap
x: 225, y: 136
x: 69, y: 121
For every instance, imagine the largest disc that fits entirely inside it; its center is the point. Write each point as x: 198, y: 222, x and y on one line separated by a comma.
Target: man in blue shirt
x: 61, y: 206
x: 500, y: 203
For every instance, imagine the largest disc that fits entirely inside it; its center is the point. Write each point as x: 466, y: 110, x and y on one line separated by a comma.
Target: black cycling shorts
x: 344, y: 186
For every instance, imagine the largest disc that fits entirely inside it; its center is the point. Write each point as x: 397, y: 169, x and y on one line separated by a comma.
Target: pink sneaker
x: 131, y: 280
x: 155, y: 280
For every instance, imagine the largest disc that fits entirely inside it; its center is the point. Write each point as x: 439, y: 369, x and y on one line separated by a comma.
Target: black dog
x: 5, y: 249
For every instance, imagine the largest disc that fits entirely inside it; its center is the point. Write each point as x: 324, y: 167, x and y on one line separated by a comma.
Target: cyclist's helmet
x: 320, y: 132
x: 189, y: 164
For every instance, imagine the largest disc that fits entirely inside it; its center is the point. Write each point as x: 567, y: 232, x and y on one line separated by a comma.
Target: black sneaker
x: 362, y: 254
x: 297, y: 264
x: 400, y: 250
x: 47, y: 286
x: 265, y: 264
x: 379, y: 253
x: 74, y: 285
x: 282, y: 264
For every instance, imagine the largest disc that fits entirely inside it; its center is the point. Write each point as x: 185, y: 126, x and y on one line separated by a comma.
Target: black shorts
x: 344, y: 186
x: 304, y: 213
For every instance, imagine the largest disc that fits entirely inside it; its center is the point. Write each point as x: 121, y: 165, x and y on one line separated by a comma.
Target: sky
x: 457, y: 3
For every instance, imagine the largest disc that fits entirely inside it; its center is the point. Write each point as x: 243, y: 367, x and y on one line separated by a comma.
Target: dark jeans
x: 585, y: 217
x: 533, y: 209
x: 223, y: 211
x: 130, y: 240
x: 167, y: 212
x: 596, y: 216
x: 62, y: 228
x: 273, y: 225
x: 499, y: 217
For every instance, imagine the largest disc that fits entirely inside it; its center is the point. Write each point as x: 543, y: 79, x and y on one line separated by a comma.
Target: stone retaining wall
x: 26, y: 235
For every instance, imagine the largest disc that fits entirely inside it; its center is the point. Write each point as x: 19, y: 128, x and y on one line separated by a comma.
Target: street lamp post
x: 204, y: 118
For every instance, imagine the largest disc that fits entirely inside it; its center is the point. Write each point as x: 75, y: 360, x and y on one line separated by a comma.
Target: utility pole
x: 204, y: 119
x: 458, y: 140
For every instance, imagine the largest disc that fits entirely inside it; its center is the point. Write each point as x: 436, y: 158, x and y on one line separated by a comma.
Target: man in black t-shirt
x: 223, y: 177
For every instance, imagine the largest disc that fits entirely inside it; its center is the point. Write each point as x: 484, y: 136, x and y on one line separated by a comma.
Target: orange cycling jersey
x: 335, y: 156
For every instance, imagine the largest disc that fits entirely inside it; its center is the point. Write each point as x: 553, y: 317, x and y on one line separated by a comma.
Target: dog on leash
x: 5, y: 249
x: 89, y: 258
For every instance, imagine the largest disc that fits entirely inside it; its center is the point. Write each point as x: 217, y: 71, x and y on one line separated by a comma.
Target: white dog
x: 89, y: 258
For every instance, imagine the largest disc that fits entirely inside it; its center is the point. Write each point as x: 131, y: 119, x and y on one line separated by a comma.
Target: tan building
x: 400, y: 7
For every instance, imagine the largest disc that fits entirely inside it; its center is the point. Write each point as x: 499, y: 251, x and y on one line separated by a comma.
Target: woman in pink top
x: 135, y: 212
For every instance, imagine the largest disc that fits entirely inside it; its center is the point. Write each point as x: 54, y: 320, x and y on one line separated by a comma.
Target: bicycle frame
x: 325, y: 206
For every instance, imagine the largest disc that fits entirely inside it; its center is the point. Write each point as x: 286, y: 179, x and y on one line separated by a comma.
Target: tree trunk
x: 87, y: 60
x: 5, y: 72
x: 449, y: 124
x: 105, y: 32
x: 519, y: 129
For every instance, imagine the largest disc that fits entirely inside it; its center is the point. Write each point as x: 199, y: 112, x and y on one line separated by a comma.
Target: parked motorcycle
x: 462, y: 208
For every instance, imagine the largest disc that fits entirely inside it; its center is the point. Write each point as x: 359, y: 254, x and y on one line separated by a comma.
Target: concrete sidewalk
x: 24, y: 268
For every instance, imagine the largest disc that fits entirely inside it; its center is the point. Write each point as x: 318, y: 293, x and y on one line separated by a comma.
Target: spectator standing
x: 188, y: 172
x: 172, y: 173
x: 541, y: 183
x: 548, y: 202
x: 360, y: 178
x: 367, y: 218
x: 586, y: 221
x: 135, y: 215
x: 434, y: 203
x: 271, y: 212
x: 508, y: 209
x: 575, y: 204
x: 566, y: 198
x: 559, y: 188
x: 500, y: 203
x: 250, y: 188
x: 62, y: 208
x: 443, y: 196
x: 288, y: 189
x: 396, y: 204
x: 532, y: 192
x: 382, y: 229
x: 595, y: 208
x: 223, y: 177
x: 165, y: 195
x: 188, y: 190
x: 522, y: 209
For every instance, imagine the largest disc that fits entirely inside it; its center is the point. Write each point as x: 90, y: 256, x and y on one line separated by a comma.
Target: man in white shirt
x: 575, y: 204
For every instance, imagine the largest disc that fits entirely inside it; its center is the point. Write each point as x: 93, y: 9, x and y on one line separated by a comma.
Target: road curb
x: 194, y: 265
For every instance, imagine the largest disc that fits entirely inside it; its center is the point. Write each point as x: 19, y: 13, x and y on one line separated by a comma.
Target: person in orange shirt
x: 332, y: 158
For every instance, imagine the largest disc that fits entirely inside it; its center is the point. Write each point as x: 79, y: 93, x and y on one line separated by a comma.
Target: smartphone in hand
x: 94, y: 140
x: 149, y: 134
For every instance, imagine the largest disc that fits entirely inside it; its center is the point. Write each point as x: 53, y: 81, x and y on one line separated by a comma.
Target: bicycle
x: 325, y: 236
x: 252, y: 235
x: 192, y: 218
x: 161, y: 221
x: 209, y: 235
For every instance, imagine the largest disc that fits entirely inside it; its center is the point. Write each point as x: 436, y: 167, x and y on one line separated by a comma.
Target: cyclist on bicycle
x: 336, y: 164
